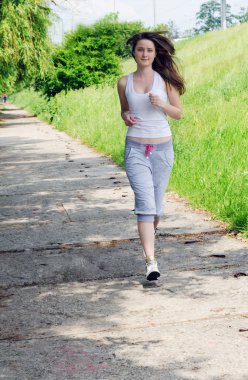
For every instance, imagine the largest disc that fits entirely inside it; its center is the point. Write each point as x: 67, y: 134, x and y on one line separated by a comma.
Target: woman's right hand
x: 129, y: 119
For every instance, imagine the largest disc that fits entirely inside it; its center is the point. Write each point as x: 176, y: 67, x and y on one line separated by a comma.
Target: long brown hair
x: 164, y: 62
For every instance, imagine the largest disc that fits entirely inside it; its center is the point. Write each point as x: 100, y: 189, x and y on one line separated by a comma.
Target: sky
x: 70, y: 13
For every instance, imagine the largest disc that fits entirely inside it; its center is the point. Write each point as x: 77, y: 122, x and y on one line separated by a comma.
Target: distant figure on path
x: 147, y: 96
x: 4, y: 97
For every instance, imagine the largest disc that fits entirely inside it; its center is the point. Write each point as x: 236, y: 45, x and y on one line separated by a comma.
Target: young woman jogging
x: 147, y: 96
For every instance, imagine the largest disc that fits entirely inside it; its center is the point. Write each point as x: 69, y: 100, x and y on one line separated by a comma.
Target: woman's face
x: 144, y: 52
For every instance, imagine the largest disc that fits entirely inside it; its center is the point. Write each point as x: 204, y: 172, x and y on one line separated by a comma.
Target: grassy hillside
x: 211, y: 166
x: 211, y: 140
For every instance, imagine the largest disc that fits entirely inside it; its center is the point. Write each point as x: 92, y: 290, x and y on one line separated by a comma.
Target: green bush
x: 89, y: 56
x: 83, y: 60
x: 118, y: 32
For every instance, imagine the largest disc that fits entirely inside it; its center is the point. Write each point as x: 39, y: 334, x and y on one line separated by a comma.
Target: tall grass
x: 211, y: 166
x: 211, y: 140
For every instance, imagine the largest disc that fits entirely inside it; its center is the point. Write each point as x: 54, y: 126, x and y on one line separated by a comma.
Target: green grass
x: 210, y: 140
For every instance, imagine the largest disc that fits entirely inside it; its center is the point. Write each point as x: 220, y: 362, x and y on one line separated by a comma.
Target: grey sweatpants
x: 148, y: 168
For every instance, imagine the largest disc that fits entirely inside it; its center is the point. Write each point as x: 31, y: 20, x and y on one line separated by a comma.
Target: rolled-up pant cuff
x: 145, y: 218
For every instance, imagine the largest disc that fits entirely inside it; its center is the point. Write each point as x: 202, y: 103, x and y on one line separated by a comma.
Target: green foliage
x: 24, y: 44
x: 211, y: 140
x: 242, y: 16
x: 209, y: 16
x: 119, y: 32
x: 89, y: 55
x: 172, y: 29
x: 84, y: 60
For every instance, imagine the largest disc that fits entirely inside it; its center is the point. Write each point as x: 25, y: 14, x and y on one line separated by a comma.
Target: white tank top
x: 151, y: 120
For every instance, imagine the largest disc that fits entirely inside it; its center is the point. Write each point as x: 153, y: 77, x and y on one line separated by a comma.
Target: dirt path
x: 74, y: 302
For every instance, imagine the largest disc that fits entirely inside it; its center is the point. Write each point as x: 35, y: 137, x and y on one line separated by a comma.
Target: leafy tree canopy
x: 243, y: 15
x: 209, y: 16
x: 90, y: 55
x: 119, y: 32
x: 172, y: 29
x: 24, y: 43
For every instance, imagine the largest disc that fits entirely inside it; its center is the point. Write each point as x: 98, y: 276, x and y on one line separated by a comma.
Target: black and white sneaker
x: 152, y: 272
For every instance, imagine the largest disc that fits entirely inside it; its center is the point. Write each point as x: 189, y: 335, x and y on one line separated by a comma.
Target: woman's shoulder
x: 122, y: 82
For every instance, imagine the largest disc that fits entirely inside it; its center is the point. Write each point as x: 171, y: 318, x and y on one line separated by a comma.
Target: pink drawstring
x: 149, y: 149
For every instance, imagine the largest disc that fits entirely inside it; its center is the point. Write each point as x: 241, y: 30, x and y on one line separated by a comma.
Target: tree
x: 85, y: 58
x: 162, y: 28
x: 90, y: 55
x: 242, y: 16
x: 24, y: 43
x: 209, y: 16
x: 173, y: 29
x: 118, y: 31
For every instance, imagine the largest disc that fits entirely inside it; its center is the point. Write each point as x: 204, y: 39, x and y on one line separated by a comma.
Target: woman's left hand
x: 171, y: 108
x: 156, y: 101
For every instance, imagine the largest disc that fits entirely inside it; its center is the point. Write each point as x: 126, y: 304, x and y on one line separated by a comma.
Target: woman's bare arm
x: 125, y: 114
